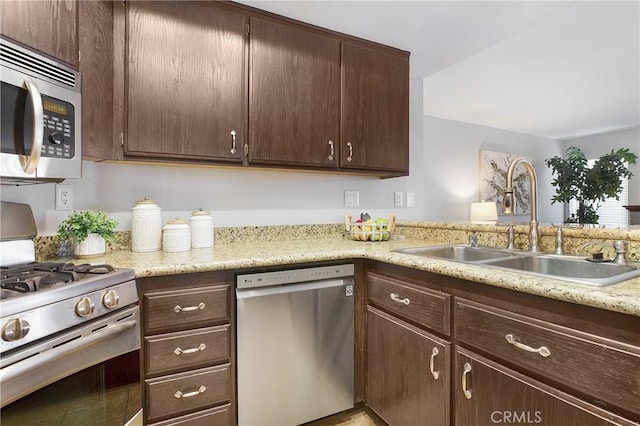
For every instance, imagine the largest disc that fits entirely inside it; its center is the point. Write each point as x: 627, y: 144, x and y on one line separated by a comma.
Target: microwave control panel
x: 59, y: 128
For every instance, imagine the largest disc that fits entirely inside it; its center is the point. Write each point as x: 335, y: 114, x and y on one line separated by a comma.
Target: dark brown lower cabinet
x: 408, y: 378
x: 488, y: 393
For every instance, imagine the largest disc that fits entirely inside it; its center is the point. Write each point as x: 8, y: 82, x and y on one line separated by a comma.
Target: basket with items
x: 368, y: 229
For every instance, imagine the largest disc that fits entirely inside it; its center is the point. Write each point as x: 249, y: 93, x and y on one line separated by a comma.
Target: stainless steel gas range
x: 70, y: 335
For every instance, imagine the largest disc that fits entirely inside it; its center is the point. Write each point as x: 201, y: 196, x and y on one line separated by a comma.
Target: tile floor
x: 359, y: 416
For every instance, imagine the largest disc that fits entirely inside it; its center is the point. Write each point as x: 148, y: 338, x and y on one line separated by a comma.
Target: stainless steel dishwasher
x: 294, y: 345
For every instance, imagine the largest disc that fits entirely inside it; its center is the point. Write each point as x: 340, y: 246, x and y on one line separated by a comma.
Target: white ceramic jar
x: 201, y: 224
x: 146, y: 226
x: 176, y: 236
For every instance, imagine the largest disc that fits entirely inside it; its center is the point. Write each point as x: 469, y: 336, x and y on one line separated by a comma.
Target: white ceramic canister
x: 146, y: 226
x: 176, y: 236
x: 201, y: 229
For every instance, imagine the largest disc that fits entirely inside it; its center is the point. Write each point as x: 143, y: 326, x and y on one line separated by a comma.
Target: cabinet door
x: 49, y: 26
x: 488, y: 393
x: 375, y: 109
x: 294, y: 100
x: 407, y: 372
x: 185, y: 72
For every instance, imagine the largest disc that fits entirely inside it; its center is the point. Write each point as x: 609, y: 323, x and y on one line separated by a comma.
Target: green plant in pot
x: 589, y: 186
x: 88, y: 231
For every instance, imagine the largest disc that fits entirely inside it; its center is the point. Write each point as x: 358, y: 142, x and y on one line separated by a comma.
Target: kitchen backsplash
x: 432, y: 232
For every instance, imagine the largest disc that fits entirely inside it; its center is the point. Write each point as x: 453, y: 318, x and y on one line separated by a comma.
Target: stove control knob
x: 15, y: 329
x: 110, y: 299
x: 85, y: 307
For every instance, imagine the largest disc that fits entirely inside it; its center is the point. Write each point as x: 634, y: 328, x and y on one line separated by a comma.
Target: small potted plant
x: 88, y: 231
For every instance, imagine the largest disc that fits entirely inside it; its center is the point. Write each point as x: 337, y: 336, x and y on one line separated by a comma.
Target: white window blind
x: 611, y: 213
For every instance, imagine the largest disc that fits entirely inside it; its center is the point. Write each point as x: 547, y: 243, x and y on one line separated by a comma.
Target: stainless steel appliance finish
x: 41, y: 118
x: 65, y: 323
x: 295, y: 345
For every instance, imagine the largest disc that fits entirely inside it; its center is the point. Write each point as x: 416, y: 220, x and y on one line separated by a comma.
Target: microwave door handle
x: 30, y: 162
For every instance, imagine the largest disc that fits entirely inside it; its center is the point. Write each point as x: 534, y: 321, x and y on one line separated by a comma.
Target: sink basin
x: 568, y: 268
x: 458, y: 253
x: 574, y: 269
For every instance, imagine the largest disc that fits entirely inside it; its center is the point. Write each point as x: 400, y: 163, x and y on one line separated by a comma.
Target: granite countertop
x: 623, y: 297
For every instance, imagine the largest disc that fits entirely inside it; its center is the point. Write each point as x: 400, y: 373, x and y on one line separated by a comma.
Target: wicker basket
x: 370, y: 231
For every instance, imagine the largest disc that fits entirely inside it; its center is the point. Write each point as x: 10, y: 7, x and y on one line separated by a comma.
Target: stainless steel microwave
x: 41, y: 117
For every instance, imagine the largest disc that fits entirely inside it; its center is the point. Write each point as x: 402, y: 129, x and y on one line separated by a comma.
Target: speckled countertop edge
x: 623, y: 297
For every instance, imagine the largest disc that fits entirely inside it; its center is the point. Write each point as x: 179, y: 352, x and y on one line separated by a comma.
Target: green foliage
x: 575, y: 180
x: 80, y: 224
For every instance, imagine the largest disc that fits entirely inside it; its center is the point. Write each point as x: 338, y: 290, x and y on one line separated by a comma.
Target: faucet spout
x: 508, y: 202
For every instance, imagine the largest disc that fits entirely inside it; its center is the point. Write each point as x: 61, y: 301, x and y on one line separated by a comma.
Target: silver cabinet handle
x: 180, y: 351
x: 397, y: 299
x: 466, y: 380
x: 177, y: 309
x: 543, y: 351
x: 350, y: 156
x: 331, y: 152
x: 181, y: 394
x: 432, y: 362
x: 30, y: 162
x: 233, y: 142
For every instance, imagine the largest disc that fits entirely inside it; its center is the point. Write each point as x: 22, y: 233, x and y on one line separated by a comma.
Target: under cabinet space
x: 607, y: 370
x: 426, y: 307
x: 488, y: 393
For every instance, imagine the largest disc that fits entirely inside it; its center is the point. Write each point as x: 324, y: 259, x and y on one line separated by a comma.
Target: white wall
x: 452, y: 175
x: 597, y: 145
x: 236, y: 196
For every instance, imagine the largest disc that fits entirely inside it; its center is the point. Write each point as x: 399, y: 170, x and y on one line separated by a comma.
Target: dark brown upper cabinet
x: 294, y: 95
x: 375, y: 109
x: 48, y: 26
x: 185, y: 73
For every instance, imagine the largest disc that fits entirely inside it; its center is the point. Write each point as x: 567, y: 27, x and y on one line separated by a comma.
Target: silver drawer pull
x: 331, y: 153
x: 542, y: 350
x: 432, y: 362
x: 180, y: 351
x: 467, y: 380
x: 179, y: 308
x: 200, y: 390
x: 397, y: 299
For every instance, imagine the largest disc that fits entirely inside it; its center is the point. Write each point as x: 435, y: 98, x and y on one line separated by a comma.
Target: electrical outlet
x: 64, y: 197
x: 351, y: 198
x: 398, y: 199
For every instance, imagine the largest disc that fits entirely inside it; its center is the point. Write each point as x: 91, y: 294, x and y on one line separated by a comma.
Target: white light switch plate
x: 411, y: 199
x: 398, y: 199
x: 351, y: 198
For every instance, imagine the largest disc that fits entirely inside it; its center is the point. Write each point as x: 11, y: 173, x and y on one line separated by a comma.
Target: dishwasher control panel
x: 292, y: 276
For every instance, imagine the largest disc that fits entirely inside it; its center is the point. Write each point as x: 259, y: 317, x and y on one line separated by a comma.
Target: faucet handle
x: 473, y: 240
x: 558, y: 248
x: 510, y: 237
x: 620, y: 246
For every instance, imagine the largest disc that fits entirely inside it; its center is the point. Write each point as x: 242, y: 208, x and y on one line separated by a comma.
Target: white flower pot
x: 93, y: 246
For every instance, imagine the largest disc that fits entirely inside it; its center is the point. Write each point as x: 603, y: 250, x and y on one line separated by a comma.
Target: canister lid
x: 201, y: 212
x: 176, y: 221
x: 146, y: 200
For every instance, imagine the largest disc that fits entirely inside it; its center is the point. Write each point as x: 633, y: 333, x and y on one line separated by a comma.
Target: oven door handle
x: 27, y: 365
x: 30, y: 162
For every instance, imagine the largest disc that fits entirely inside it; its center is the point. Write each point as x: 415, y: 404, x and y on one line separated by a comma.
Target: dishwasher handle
x: 248, y: 293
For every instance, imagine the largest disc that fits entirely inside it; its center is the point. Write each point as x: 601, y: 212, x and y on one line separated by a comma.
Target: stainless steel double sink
x: 568, y: 268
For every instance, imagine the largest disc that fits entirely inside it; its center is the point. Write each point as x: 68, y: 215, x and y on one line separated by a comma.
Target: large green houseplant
x: 88, y: 231
x: 589, y: 186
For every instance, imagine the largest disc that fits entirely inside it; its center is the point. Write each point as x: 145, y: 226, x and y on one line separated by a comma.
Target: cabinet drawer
x: 186, y: 349
x: 606, y: 369
x: 219, y: 416
x: 423, y: 306
x: 180, y: 393
x: 182, y: 308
